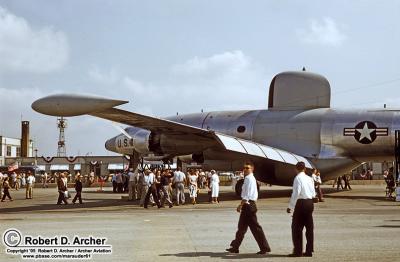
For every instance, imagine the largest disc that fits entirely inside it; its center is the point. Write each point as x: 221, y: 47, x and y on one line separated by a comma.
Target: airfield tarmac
x: 357, y: 225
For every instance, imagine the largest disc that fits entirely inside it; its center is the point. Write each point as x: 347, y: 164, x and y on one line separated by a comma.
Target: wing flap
x: 259, y: 150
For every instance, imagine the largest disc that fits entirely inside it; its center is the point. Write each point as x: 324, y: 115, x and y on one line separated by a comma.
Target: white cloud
x: 242, y: 86
x: 228, y: 80
x: 104, y: 78
x: 10, y: 110
x: 43, y: 129
x: 25, y: 49
x: 326, y: 32
x: 218, y: 64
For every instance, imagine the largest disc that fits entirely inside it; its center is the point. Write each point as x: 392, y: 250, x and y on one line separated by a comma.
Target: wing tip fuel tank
x: 73, y: 105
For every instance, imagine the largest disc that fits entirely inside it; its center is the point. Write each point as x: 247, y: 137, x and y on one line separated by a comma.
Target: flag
x: 13, y: 167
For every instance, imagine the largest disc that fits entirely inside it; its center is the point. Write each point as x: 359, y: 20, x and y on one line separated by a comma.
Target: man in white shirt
x: 248, y: 217
x: 302, y: 204
x: 44, y: 180
x: 150, y: 181
x: 179, y: 181
x: 316, y: 176
x: 30, y: 181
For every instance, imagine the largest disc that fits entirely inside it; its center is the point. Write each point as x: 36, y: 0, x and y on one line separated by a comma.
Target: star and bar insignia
x: 366, y: 132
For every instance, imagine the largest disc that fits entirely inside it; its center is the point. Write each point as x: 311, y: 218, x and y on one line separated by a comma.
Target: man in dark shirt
x: 165, y: 183
x: 62, y: 186
x: 78, y: 189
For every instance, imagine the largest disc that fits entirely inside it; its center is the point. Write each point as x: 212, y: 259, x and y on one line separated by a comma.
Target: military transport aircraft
x: 298, y: 125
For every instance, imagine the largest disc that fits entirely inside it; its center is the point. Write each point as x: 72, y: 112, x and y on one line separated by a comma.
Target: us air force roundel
x: 366, y: 132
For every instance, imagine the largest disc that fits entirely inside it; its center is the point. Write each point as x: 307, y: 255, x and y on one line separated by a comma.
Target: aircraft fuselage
x: 336, y: 141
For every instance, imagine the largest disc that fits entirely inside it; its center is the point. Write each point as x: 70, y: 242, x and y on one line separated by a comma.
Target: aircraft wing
x: 149, y: 122
x: 228, y: 143
x: 197, y: 138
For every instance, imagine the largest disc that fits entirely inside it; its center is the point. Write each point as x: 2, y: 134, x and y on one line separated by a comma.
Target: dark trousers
x: 347, y: 185
x: 302, y: 217
x: 6, y: 194
x: 120, y: 187
x: 248, y: 218
x: 339, y: 184
x: 61, y: 198
x: 114, y: 185
x: 152, y: 190
x: 319, y: 192
x: 78, y: 196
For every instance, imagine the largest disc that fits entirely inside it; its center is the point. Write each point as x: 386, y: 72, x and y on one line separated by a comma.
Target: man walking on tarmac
x: 303, y: 205
x: 248, y: 216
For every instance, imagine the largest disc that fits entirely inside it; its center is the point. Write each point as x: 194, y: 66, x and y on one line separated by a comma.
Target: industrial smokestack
x: 25, y: 139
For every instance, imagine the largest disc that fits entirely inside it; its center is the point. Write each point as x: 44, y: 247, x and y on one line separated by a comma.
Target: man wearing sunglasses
x: 248, y: 216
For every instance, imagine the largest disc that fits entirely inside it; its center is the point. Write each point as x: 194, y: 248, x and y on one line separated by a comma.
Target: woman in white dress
x: 214, y: 185
x: 193, y: 176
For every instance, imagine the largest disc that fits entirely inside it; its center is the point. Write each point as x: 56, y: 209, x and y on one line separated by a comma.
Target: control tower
x: 62, y: 125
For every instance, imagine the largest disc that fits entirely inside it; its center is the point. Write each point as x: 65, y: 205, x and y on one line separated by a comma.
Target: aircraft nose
x: 110, y: 145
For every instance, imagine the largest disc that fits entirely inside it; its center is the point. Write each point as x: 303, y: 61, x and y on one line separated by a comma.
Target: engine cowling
x: 139, y: 140
x: 188, y: 159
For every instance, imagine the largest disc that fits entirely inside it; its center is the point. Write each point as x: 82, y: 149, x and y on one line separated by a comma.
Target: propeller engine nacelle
x: 188, y: 159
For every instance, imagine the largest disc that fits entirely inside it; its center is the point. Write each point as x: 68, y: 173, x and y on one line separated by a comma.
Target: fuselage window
x: 241, y: 129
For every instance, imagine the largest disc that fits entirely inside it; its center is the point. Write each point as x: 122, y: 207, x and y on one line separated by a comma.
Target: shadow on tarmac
x: 223, y: 255
x: 97, y: 203
x: 382, y: 198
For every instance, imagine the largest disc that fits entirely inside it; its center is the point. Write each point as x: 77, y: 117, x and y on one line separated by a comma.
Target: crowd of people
x: 160, y: 187
x: 155, y: 187
x: 16, y: 181
x: 149, y: 186
x: 338, y: 183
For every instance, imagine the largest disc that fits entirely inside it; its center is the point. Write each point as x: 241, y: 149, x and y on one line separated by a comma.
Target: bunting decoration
x: 71, y: 159
x: 48, y: 159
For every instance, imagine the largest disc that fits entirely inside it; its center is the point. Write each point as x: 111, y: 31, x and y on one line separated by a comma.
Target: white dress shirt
x: 249, y: 188
x: 316, y: 178
x: 30, y: 180
x: 179, y: 176
x: 149, y: 179
x: 303, y: 188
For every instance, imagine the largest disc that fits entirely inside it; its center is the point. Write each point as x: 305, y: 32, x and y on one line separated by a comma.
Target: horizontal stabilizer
x: 73, y: 105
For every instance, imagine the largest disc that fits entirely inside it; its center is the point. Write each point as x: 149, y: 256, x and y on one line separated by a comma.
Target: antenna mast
x: 61, y: 149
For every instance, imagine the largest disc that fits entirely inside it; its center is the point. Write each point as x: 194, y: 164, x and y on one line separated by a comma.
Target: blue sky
x: 184, y: 56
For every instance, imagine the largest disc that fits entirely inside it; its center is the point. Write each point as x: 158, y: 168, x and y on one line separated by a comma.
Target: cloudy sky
x: 184, y: 56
